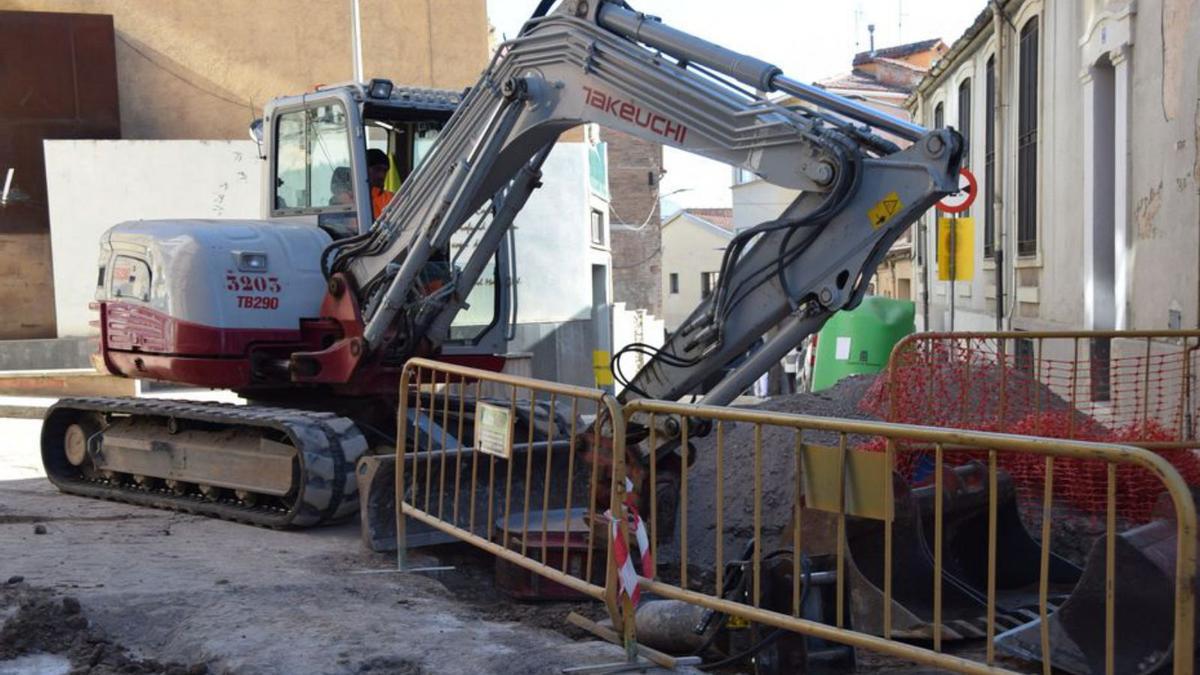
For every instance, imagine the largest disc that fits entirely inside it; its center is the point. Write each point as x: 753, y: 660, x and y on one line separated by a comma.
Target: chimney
x: 871, y: 30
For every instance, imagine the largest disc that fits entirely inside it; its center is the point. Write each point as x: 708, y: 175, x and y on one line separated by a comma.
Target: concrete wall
x: 554, y: 249
x: 1150, y: 50
x: 634, y: 326
x: 758, y: 201
x: 94, y: 185
x: 1164, y: 165
x: 204, y: 68
x: 555, y: 260
x: 690, y: 246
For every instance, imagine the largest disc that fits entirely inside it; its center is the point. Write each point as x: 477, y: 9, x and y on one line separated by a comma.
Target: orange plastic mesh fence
x: 1129, y: 388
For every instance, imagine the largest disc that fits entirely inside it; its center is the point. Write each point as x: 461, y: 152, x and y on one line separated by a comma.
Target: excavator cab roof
x: 381, y: 100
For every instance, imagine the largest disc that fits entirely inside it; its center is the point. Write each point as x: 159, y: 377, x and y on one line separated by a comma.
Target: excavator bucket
x: 1144, y: 596
x: 964, y: 560
x: 453, y: 480
x: 965, y: 532
x: 376, y: 475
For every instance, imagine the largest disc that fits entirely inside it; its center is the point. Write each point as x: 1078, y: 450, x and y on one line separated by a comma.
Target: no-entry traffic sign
x: 960, y: 201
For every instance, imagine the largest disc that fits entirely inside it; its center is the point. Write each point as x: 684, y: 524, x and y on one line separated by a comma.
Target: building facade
x: 149, y: 70
x: 693, y: 245
x: 202, y: 69
x: 191, y: 76
x: 1082, y: 122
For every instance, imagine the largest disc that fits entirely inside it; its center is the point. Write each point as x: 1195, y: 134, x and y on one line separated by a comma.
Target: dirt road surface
x: 182, y: 589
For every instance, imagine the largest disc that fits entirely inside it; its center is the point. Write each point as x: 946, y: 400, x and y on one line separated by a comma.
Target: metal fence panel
x: 896, y: 525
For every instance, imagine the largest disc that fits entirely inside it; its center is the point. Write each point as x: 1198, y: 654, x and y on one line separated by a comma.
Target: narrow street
x: 177, y: 588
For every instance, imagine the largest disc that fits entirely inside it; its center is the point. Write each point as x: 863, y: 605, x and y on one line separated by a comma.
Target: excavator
x: 311, y: 312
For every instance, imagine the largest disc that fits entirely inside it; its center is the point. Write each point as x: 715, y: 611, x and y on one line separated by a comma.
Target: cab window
x: 131, y: 279
x: 483, y: 302
x: 312, y: 160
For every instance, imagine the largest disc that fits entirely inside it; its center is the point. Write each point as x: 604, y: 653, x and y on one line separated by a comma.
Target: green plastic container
x: 861, y: 340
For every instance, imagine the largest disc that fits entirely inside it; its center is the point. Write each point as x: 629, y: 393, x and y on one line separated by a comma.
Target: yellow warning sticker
x: 602, y: 368
x: 884, y: 210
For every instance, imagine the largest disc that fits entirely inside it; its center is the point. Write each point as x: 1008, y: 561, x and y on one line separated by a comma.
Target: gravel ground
x: 42, y: 622
x: 158, y: 591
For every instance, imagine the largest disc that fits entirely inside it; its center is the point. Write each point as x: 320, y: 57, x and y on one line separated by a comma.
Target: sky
x: 809, y: 39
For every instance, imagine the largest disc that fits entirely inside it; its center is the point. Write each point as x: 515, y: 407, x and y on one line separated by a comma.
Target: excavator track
x: 323, y: 487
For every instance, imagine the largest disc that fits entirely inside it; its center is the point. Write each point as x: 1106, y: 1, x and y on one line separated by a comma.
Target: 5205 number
x: 246, y: 282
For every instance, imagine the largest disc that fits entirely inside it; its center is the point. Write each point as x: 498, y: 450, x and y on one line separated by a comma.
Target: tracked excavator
x: 311, y: 313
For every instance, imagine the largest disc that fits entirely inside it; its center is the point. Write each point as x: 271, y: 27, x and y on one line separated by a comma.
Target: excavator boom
x: 601, y: 62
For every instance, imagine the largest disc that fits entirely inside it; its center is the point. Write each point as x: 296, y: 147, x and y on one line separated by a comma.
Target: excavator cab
x: 230, y: 307
x: 315, y: 147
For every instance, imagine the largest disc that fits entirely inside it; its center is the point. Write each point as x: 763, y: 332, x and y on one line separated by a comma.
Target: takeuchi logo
x: 635, y: 114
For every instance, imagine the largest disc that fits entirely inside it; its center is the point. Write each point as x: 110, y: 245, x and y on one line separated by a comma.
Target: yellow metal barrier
x: 475, y: 431
x: 840, y: 481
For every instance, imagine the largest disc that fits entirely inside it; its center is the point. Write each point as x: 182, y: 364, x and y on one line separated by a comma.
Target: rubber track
x: 328, y: 447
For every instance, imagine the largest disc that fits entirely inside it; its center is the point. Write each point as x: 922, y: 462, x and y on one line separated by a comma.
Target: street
x: 179, y: 588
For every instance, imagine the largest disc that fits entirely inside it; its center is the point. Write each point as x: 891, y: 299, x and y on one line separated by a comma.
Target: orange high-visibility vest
x: 379, y: 199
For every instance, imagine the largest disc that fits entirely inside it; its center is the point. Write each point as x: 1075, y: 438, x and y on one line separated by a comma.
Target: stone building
x: 1082, y: 122
x: 149, y: 70
x: 693, y: 243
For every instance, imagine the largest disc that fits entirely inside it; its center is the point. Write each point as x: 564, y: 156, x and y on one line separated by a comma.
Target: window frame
x: 989, y: 159
x: 1027, y: 141
x: 357, y: 173
x: 596, y: 227
x: 937, y: 121
x: 118, y: 291
x: 964, y: 92
x: 964, y: 120
x: 673, y: 283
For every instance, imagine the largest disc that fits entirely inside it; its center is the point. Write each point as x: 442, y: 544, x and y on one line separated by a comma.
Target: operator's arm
x: 600, y: 62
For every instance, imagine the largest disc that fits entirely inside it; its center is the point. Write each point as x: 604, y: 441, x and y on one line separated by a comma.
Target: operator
x: 377, y: 169
x: 341, y: 187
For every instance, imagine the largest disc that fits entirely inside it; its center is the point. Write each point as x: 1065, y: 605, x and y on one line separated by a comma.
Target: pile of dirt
x: 1073, y: 532
x: 956, y: 391
x: 778, y: 478
x: 42, y: 622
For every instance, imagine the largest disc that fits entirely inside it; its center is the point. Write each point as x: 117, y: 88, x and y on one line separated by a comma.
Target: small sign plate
x: 493, y: 430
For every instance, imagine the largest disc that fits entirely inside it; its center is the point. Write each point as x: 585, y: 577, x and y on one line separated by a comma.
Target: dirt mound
x: 778, y: 477
x: 852, y: 398
x: 955, y: 390
x: 45, y: 623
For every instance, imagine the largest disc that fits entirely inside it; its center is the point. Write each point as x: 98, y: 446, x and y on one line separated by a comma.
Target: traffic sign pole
x: 953, y: 265
x: 953, y: 205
